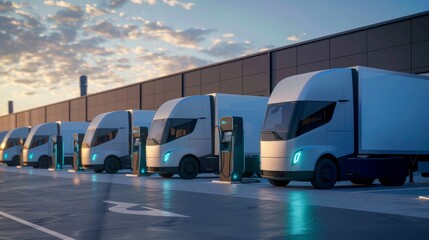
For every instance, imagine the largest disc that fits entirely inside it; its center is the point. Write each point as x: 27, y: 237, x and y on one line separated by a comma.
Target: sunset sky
x: 45, y: 45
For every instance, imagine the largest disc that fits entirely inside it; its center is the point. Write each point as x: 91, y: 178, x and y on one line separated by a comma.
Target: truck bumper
x: 163, y: 170
x: 288, y: 175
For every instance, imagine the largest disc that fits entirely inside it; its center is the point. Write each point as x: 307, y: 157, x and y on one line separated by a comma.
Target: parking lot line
x: 40, y: 228
x: 389, y: 190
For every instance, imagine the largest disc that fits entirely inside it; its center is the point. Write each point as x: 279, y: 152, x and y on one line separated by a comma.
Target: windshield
x: 291, y: 119
x: 95, y: 137
x: 11, y: 142
x: 39, y: 140
x: 167, y: 130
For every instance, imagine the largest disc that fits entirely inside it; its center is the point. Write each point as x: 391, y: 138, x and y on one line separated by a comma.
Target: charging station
x: 77, y: 153
x: 231, y: 154
x: 138, y: 157
x: 57, y: 153
x: 21, y: 158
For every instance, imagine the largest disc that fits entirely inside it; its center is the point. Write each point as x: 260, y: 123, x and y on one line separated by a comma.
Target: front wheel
x: 279, y: 183
x: 112, y: 165
x: 188, y: 168
x: 44, y: 162
x: 325, y: 174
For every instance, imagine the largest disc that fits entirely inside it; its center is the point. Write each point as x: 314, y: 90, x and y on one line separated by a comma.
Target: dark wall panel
x: 148, y: 102
x: 147, y: 99
x: 210, y: 88
x: 313, y: 67
x: 23, y: 119
x: 172, y: 95
x: 192, y: 91
x: 395, y: 58
x: 389, y: 35
x: 348, y: 44
x: 210, y: 75
x: 283, y: 59
x: 256, y: 83
x: 420, y: 29
x: 232, y: 86
x: 281, y: 74
x: 158, y: 100
x: 173, y: 83
x: 78, y: 110
x: 349, y: 61
x: 8, y: 122
x: 255, y: 65
x: 231, y: 70
x: 159, y: 85
x: 420, y: 53
x: 313, y: 52
x: 191, y: 79
x: 38, y: 116
x: 58, y: 112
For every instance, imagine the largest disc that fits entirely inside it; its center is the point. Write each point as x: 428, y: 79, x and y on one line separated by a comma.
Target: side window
x: 104, y: 135
x: 39, y: 140
x: 180, y: 127
x: 314, y: 115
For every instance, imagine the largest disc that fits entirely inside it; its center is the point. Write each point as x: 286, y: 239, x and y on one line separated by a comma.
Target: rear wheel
x: 279, y: 183
x: 365, y: 181
x: 44, y: 162
x: 325, y: 174
x: 166, y: 175
x: 188, y: 168
x: 112, y: 165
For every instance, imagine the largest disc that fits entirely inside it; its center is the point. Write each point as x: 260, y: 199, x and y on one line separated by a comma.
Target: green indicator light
x: 5, y: 156
x: 296, y: 157
x: 31, y: 156
x: 58, y: 165
x: 143, y: 170
x: 224, y: 122
x: 234, y: 176
x: 94, y: 157
x: 166, y: 156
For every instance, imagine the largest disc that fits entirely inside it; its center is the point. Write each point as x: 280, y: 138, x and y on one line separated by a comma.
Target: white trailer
x: 37, y: 151
x: 182, y: 138
x: 11, y: 146
x: 108, y: 142
x: 354, y: 124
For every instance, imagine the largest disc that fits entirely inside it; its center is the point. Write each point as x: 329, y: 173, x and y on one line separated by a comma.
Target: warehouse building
x: 400, y: 44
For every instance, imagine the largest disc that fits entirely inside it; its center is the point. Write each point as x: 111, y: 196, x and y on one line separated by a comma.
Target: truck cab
x: 11, y: 147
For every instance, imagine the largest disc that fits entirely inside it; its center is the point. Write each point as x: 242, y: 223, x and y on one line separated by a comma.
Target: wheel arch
x: 194, y: 157
x: 334, y: 159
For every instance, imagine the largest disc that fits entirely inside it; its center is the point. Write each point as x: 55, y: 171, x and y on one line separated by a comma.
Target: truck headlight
x: 166, y: 157
x: 296, y: 157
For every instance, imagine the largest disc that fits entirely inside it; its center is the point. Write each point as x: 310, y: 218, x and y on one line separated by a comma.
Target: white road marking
x: 122, y: 207
x: 389, y: 190
x: 40, y: 228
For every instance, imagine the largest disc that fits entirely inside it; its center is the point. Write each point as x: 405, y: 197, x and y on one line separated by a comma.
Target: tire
x: 279, y: 183
x: 398, y: 181
x: 112, y: 165
x: 15, y: 161
x: 365, y: 181
x: 325, y: 174
x: 98, y: 170
x: 166, y: 175
x: 248, y: 174
x: 424, y: 174
x: 44, y: 162
x: 188, y: 168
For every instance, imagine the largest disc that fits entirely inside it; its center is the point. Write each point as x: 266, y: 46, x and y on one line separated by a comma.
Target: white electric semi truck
x: 11, y: 146
x: 357, y: 124
x: 37, y: 151
x: 107, y: 145
x: 183, y: 139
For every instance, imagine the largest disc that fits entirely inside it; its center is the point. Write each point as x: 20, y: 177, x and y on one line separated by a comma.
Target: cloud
x: 161, y: 63
x: 116, y: 3
x: 63, y: 4
x: 189, y: 38
x: 150, y: 2
x: 174, y: 3
x: 228, y: 49
x: 295, y: 38
x: 94, y: 11
x: 108, y: 30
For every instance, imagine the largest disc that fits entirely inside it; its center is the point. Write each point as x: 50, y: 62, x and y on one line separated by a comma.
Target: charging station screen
x: 227, y: 137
